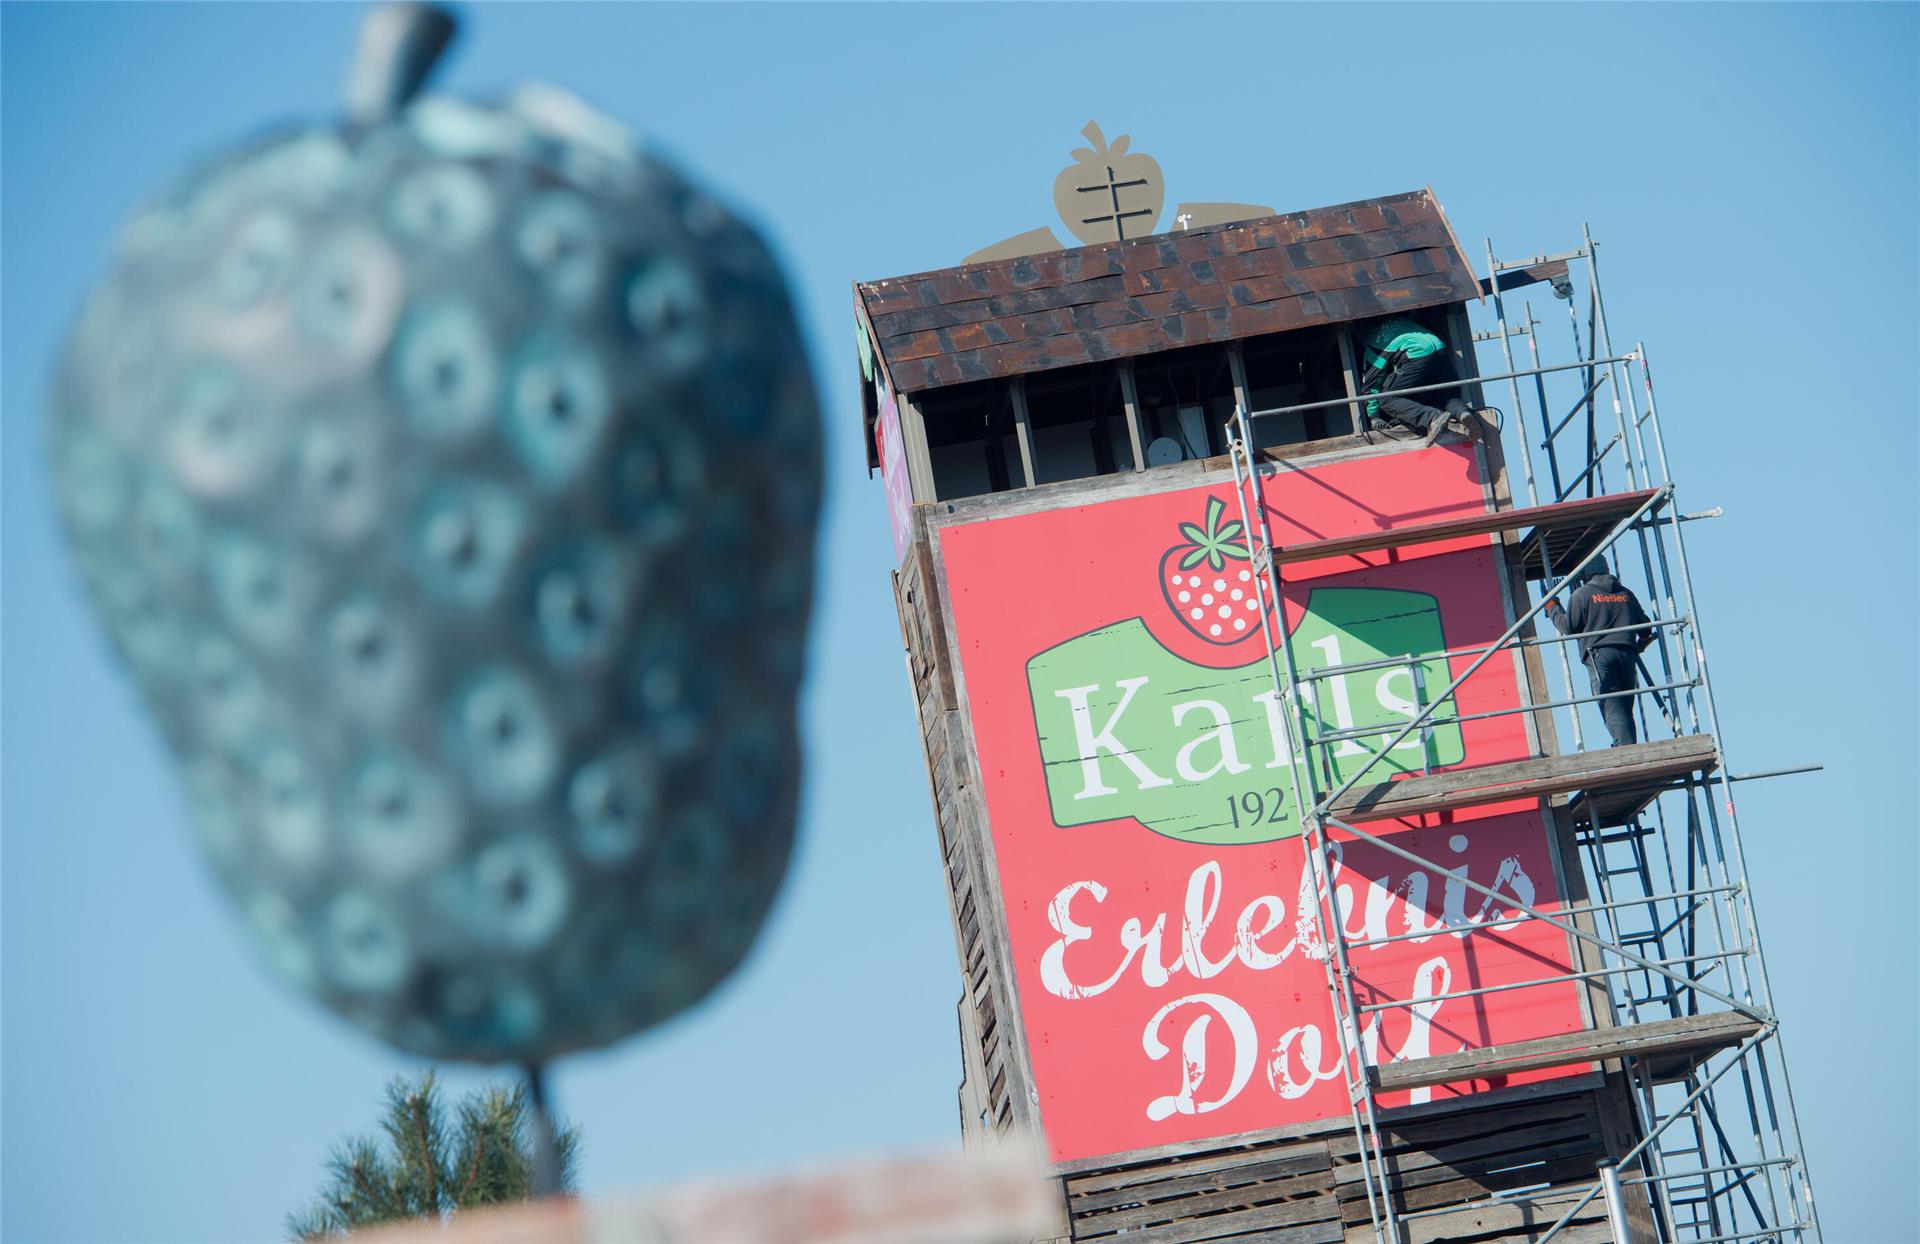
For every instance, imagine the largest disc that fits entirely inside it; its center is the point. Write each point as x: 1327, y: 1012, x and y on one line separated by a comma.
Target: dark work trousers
x: 1613, y: 670
x: 1416, y: 412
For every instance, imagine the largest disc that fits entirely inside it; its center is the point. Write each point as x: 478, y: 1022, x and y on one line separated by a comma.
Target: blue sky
x: 1749, y: 170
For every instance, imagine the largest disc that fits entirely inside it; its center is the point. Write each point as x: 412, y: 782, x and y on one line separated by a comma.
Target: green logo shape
x: 1128, y: 729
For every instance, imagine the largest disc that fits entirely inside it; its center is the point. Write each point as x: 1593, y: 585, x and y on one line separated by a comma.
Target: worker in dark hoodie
x: 1614, y: 630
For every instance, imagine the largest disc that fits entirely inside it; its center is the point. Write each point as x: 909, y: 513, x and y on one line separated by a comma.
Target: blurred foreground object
x: 447, y: 481
x: 990, y: 1195
x: 424, y: 1164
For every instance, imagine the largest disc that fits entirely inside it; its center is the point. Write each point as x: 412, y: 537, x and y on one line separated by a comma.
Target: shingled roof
x: 1008, y: 317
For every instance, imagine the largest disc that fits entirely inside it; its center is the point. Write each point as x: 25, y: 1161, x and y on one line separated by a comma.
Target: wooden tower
x: 1146, y: 850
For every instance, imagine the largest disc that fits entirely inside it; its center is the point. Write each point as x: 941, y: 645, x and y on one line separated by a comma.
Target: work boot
x: 1391, y: 429
x: 1439, y: 424
x: 1463, y: 419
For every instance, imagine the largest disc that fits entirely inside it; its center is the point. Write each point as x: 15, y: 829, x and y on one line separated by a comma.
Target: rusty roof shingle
x: 1116, y: 300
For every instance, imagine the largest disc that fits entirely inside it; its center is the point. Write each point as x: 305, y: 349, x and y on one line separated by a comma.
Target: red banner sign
x: 1135, y: 765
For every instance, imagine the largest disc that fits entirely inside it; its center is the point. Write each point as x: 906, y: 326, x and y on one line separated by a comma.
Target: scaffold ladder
x: 1332, y: 950
x: 1664, y: 948
x: 1712, y: 851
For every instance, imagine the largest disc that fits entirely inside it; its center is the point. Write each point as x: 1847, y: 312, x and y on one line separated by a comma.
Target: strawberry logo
x: 1207, y: 578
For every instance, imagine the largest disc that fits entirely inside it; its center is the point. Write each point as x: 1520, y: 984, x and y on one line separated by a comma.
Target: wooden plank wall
x: 1312, y: 1190
x: 985, y: 1093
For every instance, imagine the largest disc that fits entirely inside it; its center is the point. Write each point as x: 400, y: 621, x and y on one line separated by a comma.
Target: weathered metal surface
x: 1121, y: 299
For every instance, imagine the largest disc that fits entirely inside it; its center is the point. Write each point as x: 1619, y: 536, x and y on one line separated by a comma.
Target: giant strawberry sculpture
x: 447, y: 482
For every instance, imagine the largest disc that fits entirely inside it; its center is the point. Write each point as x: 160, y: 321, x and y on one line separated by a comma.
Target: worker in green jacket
x: 1399, y: 354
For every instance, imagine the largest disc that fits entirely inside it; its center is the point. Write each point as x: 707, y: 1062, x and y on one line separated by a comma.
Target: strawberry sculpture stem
x: 399, y: 46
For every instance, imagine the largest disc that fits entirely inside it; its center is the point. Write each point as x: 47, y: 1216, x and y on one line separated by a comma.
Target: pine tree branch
x: 473, y: 1169
x: 363, y: 1184
x: 406, y: 1169
x: 426, y: 1156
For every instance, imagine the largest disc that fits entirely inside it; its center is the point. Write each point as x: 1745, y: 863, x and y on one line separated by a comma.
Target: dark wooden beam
x: 1583, y: 513
x: 1688, y: 1035
x: 1615, y: 768
x: 1532, y: 274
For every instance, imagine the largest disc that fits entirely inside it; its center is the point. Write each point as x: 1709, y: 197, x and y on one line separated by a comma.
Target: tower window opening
x: 1078, y: 420
x: 1291, y: 369
x: 971, y: 444
x: 1186, y: 397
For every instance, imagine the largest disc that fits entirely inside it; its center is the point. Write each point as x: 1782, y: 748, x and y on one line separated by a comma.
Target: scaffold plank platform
x: 1571, y: 535
x: 1674, y: 1045
x: 1567, y: 522
x: 1609, y: 809
x: 1615, y: 773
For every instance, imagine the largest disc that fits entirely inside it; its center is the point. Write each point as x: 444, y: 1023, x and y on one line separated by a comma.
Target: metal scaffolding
x: 1669, y: 937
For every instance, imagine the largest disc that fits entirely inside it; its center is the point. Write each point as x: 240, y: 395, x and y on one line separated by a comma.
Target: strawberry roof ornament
x: 447, y: 479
